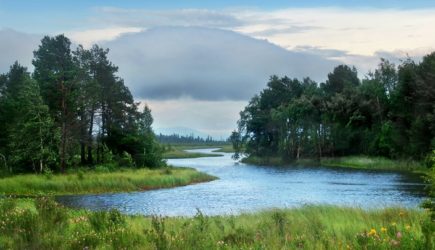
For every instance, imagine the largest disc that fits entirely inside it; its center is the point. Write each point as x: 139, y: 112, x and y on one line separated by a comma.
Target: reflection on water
x: 244, y: 188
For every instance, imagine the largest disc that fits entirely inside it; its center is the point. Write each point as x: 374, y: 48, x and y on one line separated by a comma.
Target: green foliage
x: 50, y: 119
x: 390, y: 113
x: 236, y: 141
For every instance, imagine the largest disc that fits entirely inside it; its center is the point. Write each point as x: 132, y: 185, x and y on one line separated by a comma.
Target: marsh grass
x: 101, y: 180
x: 366, y: 162
x: 227, y: 148
x: 43, y: 224
x: 179, y: 151
x: 356, y: 162
x: 176, y: 153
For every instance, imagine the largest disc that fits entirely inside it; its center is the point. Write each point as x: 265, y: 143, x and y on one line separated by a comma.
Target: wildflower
x: 399, y: 235
x: 401, y: 213
x: 372, y: 232
x: 383, y: 229
x: 408, y: 227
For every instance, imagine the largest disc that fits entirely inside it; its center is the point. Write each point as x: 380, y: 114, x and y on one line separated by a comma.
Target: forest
x: 73, y: 110
x: 389, y: 113
x: 187, y: 139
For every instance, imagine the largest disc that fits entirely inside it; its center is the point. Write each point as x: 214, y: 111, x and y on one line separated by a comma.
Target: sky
x: 197, y: 63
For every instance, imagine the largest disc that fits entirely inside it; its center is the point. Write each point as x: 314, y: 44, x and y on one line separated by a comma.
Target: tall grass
x: 83, y: 182
x: 370, y: 162
x: 50, y: 226
x: 227, y: 148
x: 357, y: 162
x: 176, y: 153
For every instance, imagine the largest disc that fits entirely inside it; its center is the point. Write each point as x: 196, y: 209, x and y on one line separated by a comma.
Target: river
x: 247, y: 188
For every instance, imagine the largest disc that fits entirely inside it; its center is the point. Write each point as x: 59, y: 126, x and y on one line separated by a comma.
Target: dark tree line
x: 391, y: 113
x: 73, y: 110
x: 186, y: 139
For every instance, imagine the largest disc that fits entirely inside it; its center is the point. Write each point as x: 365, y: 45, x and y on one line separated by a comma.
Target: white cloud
x: 92, y: 36
x: 358, y: 31
x: 206, y: 64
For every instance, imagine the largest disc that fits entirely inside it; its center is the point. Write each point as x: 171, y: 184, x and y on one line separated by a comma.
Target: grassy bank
x: 179, y: 151
x: 176, y: 153
x: 84, y: 182
x: 225, y: 149
x: 43, y: 224
x: 356, y: 162
x: 368, y: 162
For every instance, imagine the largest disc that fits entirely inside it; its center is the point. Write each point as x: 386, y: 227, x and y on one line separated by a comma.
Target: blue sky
x: 38, y: 16
x: 180, y: 55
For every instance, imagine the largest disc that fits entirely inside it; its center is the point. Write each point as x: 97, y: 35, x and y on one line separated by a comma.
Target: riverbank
x: 176, y: 153
x: 100, y: 181
x: 44, y: 224
x: 354, y: 162
x: 179, y: 151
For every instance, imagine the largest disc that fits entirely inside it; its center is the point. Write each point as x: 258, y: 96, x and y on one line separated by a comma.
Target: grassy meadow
x: 100, y: 180
x: 43, y: 224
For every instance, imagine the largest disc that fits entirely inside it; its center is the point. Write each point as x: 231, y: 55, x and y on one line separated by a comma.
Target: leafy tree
x: 55, y: 73
x: 29, y: 133
x: 33, y: 136
x: 236, y: 141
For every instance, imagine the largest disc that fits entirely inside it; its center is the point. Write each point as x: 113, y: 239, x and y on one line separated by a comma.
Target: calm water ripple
x: 246, y: 188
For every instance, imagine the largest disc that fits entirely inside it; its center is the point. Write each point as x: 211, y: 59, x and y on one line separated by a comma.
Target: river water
x: 247, y: 188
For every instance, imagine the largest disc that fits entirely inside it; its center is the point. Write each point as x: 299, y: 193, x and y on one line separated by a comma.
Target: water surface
x: 246, y: 188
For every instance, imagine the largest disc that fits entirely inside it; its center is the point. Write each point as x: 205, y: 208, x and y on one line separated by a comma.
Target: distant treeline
x: 72, y: 110
x: 391, y: 113
x: 187, y: 139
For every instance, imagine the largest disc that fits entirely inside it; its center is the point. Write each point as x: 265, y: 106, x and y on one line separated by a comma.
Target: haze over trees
x: 73, y: 110
x: 391, y: 113
x: 187, y: 139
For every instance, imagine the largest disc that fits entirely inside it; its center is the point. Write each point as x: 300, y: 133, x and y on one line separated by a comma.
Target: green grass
x: 370, y: 162
x: 356, y: 162
x: 182, y: 154
x: 197, y: 146
x: 227, y: 148
x: 43, y: 224
x: 123, y: 180
x: 179, y: 151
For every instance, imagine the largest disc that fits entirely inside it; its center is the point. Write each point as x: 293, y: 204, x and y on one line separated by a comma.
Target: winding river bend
x: 248, y: 188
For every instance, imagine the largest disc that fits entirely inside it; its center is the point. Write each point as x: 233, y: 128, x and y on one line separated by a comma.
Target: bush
x: 48, y: 173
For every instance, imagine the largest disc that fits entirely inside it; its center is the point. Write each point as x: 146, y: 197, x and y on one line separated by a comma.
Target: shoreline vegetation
x: 179, y: 151
x: 44, y: 224
x: 352, y: 162
x: 100, y: 180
